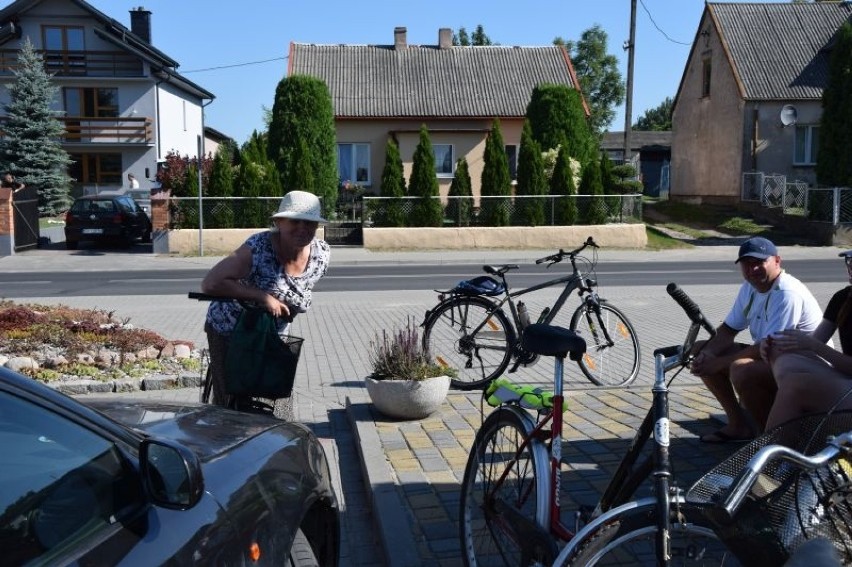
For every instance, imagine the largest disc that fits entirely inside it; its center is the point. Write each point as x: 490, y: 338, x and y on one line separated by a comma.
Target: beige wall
x: 466, y: 136
x: 707, y: 143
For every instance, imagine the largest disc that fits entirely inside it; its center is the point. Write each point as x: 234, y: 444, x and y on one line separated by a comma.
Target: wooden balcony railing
x: 120, y: 130
x: 79, y: 63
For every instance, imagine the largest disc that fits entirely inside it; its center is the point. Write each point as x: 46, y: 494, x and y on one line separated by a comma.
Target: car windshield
x: 93, y: 206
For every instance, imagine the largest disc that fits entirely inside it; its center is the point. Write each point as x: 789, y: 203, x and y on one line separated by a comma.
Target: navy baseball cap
x: 757, y: 247
x: 847, y: 254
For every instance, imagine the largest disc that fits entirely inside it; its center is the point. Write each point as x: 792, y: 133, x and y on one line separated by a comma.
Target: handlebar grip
x: 201, y: 296
x: 689, y: 306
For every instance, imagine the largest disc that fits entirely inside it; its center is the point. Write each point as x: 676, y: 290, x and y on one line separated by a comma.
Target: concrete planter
x: 408, y: 399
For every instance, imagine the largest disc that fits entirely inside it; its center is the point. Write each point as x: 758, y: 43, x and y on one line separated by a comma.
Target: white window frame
x: 361, y: 169
x: 809, y: 146
x: 440, y: 165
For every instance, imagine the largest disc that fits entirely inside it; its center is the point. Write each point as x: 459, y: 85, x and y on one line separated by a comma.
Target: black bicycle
x: 469, y: 330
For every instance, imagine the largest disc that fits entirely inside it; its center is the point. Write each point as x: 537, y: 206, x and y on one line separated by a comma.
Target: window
x: 705, y: 78
x: 806, y: 144
x: 353, y: 163
x: 512, y: 157
x: 443, y: 159
x: 93, y: 169
x: 90, y: 102
x: 64, y: 48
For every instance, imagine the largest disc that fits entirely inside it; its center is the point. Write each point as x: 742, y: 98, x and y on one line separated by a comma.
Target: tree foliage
x: 557, y: 118
x: 495, y: 181
x: 303, y: 114
x: 256, y: 177
x: 598, y: 74
x: 179, y: 174
x: 657, y: 119
x: 562, y: 183
x: 531, y: 181
x: 221, y: 213
x: 479, y: 37
x: 592, y: 208
x: 30, y: 148
x: 834, y: 160
x: 424, y: 184
x: 460, y: 204
x: 391, y: 212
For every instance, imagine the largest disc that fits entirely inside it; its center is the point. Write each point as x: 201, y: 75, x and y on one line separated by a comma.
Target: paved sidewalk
x: 398, y: 481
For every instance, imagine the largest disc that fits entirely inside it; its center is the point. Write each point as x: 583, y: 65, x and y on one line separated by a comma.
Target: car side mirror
x: 171, y: 474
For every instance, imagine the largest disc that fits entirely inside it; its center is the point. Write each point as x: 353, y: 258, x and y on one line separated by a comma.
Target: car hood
x: 206, y: 429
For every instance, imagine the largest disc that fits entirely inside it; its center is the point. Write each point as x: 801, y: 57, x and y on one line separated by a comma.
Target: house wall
x: 707, y: 142
x: 775, y: 143
x: 467, y: 137
x: 180, y: 120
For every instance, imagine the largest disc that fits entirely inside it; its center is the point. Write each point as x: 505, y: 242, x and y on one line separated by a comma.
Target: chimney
x: 399, y: 38
x: 140, y: 23
x: 445, y: 38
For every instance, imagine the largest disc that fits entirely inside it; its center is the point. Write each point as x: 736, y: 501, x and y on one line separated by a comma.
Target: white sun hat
x: 299, y: 205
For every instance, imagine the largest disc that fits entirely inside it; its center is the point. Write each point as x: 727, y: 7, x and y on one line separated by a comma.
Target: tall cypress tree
x: 531, y: 181
x: 424, y: 184
x: 303, y: 113
x: 558, y: 118
x: 30, y: 149
x: 221, y: 213
x: 496, y: 181
x: 592, y: 208
x: 834, y: 160
x: 390, y: 211
x: 460, y: 204
x: 562, y: 183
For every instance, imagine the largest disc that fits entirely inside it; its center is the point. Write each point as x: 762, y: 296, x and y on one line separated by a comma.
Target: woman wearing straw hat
x: 275, y: 270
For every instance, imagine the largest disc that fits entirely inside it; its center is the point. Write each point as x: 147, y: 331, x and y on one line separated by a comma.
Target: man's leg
x: 752, y: 380
x: 738, y: 426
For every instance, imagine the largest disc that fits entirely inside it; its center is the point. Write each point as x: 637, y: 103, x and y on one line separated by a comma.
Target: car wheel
x: 70, y: 244
x: 301, y: 552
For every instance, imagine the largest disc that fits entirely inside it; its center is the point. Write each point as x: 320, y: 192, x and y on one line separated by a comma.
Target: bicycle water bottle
x: 523, y: 315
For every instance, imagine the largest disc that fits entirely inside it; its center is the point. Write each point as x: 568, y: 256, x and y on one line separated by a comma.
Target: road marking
x: 514, y: 275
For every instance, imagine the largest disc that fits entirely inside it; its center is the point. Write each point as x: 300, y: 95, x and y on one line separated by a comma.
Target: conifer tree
x: 30, y: 149
x: 531, y: 181
x: 562, y: 183
x: 834, y: 160
x: 558, y: 118
x: 495, y: 181
x: 220, y: 212
x: 390, y: 212
x: 424, y: 184
x: 460, y: 204
x: 592, y: 208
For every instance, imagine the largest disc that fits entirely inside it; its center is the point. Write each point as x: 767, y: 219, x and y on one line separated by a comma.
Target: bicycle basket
x: 786, y: 506
x: 482, y: 285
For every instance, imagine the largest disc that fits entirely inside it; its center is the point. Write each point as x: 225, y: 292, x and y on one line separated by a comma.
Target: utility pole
x: 630, y: 46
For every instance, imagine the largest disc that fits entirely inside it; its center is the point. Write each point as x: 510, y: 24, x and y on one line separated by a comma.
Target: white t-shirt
x: 134, y: 183
x: 787, y: 305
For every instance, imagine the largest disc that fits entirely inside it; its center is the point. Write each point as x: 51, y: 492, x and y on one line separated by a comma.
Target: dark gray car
x: 106, y: 217
x: 118, y: 482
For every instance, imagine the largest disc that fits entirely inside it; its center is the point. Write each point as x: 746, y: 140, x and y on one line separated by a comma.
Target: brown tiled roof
x: 780, y: 50
x: 369, y: 81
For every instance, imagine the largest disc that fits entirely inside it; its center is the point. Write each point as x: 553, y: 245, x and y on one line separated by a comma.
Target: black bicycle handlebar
x: 244, y: 304
x: 692, y: 311
x: 559, y: 256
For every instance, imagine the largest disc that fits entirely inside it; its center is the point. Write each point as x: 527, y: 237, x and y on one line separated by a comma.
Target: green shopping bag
x: 259, y: 362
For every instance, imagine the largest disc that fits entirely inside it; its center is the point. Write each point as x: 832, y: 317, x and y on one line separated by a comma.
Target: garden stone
x: 127, y: 385
x: 182, y: 351
x: 19, y: 363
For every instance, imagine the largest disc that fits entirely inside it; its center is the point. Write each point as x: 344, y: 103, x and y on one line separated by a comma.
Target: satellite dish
x: 789, y: 115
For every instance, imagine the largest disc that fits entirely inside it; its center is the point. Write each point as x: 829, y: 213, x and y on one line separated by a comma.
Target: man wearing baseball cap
x: 769, y: 301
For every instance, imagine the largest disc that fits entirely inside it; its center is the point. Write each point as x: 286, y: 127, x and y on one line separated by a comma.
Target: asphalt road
x: 395, y: 276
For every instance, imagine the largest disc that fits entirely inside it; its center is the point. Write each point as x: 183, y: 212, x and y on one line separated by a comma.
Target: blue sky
x: 226, y: 38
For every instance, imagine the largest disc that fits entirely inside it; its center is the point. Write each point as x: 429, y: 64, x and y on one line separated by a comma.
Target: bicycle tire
x: 477, y: 359
x: 604, y: 365
x: 207, y: 388
x: 629, y: 538
x: 486, y: 535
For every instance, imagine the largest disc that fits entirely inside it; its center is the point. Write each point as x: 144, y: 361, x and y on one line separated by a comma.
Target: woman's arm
x: 792, y: 341
x: 223, y: 280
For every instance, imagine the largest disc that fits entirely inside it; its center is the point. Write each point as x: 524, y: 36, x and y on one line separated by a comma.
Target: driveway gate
x: 25, y: 205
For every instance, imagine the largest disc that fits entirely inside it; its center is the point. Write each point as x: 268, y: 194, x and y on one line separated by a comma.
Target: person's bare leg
x: 807, y: 384
x: 738, y: 424
x: 753, y: 382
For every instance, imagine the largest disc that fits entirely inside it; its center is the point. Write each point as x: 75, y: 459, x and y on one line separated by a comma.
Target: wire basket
x: 786, y: 506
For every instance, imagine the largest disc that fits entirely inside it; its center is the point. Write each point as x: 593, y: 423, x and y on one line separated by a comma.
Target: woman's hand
x: 275, y: 307
x: 792, y: 340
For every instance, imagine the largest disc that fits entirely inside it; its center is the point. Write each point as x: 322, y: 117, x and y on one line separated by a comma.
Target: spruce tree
x: 460, y: 204
x: 390, y: 211
x: 562, y: 183
x: 496, y: 181
x: 30, y: 149
x: 424, y: 184
x: 531, y: 181
x: 834, y: 160
x: 303, y: 113
x: 592, y: 208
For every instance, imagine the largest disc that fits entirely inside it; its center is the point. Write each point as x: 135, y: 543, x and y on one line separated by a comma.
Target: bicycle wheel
x: 468, y: 335
x: 494, y: 513
x: 629, y: 538
x: 605, y: 364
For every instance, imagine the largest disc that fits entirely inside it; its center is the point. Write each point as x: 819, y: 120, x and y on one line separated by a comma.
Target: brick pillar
x: 160, y: 218
x: 7, y: 223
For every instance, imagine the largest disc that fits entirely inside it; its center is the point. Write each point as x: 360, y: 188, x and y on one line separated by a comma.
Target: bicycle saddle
x: 548, y: 340
x: 499, y: 270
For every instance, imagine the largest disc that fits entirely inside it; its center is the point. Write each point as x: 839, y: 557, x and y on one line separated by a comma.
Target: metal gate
x: 25, y: 205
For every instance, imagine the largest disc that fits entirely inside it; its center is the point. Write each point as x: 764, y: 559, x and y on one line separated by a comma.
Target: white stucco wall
x: 180, y: 121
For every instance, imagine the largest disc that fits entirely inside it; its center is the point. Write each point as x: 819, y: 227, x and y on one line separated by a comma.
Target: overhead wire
x: 659, y: 29
x: 234, y: 65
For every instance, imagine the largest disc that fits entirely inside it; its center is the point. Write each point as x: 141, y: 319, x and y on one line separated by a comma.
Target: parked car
x: 122, y: 482
x: 106, y: 217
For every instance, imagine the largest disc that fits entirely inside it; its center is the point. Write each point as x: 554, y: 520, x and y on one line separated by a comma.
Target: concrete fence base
x: 220, y: 242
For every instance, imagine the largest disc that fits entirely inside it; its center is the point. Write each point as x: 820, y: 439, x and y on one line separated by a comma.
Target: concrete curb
x: 388, y: 510
x: 155, y: 382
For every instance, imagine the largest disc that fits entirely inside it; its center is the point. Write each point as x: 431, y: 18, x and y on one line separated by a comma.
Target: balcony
x: 114, y: 130
x: 79, y: 63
